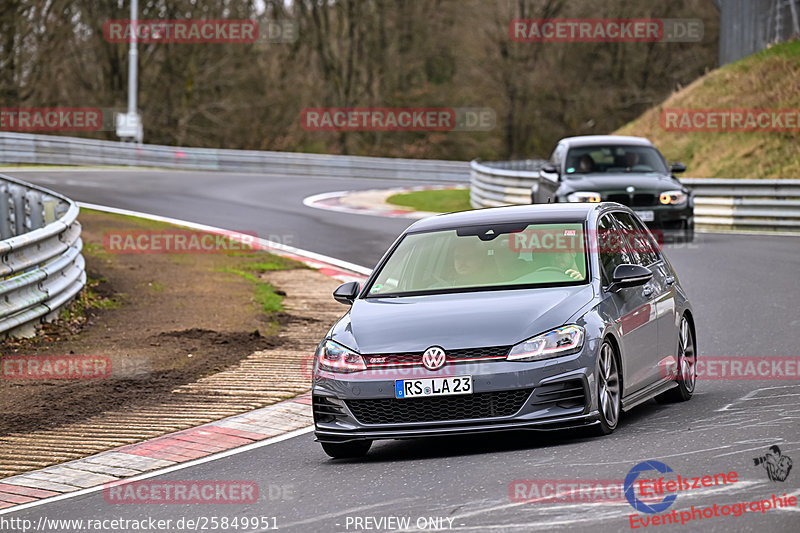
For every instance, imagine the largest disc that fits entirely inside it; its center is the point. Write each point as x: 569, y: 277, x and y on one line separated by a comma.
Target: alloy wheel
x: 686, y: 356
x: 608, y: 385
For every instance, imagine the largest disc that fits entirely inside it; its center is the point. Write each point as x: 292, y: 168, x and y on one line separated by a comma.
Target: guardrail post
x: 49, y: 209
x: 35, y: 209
x: 18, y: 208
x: 5, y: 214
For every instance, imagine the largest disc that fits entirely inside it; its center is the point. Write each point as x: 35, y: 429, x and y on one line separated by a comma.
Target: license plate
x: 417, y: 388
x: 647, y: 216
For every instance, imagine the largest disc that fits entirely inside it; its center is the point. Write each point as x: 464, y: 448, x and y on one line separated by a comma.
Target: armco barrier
x: 41, y: 266
x: 57, y: 150
x: 731, y: 204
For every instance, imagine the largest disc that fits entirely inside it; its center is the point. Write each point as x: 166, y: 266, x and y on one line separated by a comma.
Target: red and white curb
x: 156, y: 456
x: 371, y: 202
x: 188, y: 447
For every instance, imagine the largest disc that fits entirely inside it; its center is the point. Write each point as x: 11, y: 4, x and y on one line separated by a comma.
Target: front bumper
x: 549, y: 395
x: 668, y: 218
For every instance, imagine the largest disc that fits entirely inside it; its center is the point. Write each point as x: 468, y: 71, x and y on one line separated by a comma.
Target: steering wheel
x: 549, y: 269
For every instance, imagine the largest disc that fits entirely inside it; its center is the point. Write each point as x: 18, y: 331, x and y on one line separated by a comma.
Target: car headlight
x: 565, y: 340
x: 583, y: 196
x: 334, y: 357
x: 673, y: 197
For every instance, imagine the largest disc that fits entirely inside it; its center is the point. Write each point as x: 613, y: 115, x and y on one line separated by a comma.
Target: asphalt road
x: 744, y: 290
x: 269, y: 206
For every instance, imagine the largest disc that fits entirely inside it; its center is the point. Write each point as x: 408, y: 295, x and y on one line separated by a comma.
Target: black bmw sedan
x: 627, y: 170
x: 525, y: 317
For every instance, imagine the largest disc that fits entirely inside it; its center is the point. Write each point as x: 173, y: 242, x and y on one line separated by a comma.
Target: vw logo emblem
x: 433, y: 358
x: 630, y: 189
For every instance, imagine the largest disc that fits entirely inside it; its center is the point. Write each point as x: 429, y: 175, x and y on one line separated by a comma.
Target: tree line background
x: 352, y: 53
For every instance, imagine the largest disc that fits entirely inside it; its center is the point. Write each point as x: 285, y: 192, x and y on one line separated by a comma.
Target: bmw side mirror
x: 550, y: 168
x: 677, y: 168
x: 347, y: 292
x: 629, y: 276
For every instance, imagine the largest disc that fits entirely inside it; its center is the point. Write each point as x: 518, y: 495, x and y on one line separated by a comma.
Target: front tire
x: 608, y: 389
x: 347, y: 450
x: 687, y: 367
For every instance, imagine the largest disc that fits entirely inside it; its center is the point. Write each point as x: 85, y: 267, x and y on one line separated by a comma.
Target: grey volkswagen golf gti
x: 528, y: 317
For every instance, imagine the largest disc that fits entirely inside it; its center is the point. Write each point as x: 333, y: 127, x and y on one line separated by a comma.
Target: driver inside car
x: 586, y: 164
x: 558, y: 256
x: 561, y: 261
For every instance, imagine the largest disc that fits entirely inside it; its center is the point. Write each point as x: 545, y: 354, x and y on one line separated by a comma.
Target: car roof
x: 533, y: 214
x: 587, y: 140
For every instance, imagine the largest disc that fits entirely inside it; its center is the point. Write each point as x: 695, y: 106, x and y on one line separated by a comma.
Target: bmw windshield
x: 614, y: 159
x: 484, y: 257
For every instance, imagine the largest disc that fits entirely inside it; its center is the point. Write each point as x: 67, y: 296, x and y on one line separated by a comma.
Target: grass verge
x: 769, y: 79
x: 436, y: 201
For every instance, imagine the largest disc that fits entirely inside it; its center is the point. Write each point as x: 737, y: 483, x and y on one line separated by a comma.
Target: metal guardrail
x: 738, y: 204
x: 56, y: 150
x: 41, y: 266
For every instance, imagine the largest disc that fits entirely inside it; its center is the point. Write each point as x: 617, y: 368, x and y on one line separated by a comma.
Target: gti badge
x: 433, y: 358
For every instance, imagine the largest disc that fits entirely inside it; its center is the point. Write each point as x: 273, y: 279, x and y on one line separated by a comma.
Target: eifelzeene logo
x: 777, y: 466
x: 630, y: 493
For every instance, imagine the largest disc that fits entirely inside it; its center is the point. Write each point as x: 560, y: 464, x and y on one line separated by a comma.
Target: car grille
x: 564, y: 394
x: 624, y: 199
x: 416, y: 357
x: 635, y: 200
x: 643, y: 200
x: 441, y: 409
x: 325, y: 410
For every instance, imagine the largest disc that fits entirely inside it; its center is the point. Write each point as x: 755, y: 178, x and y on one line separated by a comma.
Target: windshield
x: 614, y: 159
x: 484, y: 257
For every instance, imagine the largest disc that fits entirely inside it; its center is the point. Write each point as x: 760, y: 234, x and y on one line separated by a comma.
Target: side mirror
x: 347, y: 292
x: 629, y: 276
x: 550, y: 168
x: 677, y: 168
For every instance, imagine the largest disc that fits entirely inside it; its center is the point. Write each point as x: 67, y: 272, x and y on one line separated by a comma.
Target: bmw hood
x: 461, y: 320
x: 653, y: 182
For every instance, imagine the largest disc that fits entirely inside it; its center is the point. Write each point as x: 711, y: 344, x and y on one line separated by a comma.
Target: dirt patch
x: 165, y: 319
